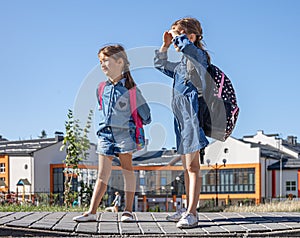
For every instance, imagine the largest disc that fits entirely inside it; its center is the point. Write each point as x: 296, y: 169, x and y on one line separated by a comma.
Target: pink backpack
x: 139, y: 130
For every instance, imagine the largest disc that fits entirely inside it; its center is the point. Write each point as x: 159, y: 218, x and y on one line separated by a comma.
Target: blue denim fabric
x: 189, y: 135
x: 116, y: 107
x: 114, y: 141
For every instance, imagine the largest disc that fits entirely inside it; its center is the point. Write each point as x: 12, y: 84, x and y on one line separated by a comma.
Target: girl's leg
x: 129, y: 180
x: 193, y: 170
x: 104, y: 171
x: 186, y: 179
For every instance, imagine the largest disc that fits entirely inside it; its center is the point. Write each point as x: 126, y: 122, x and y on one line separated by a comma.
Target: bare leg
x: 186, y: 179
x: 104, y: 172
x: 129, y: 180
x: 193, y: 170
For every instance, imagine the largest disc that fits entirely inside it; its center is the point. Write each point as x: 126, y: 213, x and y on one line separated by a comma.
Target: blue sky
x: 49, y: 49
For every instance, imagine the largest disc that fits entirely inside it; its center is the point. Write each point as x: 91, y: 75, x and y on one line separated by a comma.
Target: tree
x: 76, y: 143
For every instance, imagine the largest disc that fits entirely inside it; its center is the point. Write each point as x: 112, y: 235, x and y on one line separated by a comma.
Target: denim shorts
x: 113, y: 141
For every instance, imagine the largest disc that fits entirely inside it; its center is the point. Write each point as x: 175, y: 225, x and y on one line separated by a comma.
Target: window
x: 2, y: 168
x: 163, y: 181
x: 229, y: 181
x: 290, y: 185
x: 142, y: 181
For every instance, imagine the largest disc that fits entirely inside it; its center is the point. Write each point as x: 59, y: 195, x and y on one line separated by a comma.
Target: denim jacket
x: 179, y: 70
x: 116, y: 111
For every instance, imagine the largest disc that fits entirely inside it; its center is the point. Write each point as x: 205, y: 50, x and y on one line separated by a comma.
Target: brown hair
x: 117, y: 52
x: 192, y: 26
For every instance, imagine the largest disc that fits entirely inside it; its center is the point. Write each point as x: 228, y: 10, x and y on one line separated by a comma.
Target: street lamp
x: 280, y: 168
x: 180, y: 179
x: 216, y: 168
x: 167, y: 192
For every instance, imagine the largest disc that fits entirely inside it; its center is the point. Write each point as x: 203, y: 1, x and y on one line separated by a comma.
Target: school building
x: 252, y: 169
x: 28, y: 167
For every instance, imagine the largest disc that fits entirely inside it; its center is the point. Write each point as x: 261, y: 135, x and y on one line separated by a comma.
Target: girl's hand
x: 175, y: 33
x: 167, y: 39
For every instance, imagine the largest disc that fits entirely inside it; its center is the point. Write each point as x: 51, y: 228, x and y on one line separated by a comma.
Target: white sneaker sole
x: 187, y: 226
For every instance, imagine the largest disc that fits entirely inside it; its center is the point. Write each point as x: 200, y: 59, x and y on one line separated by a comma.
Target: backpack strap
x: 100, y: 92
x: 133, y: 107
x: 137, y: 119
x: 221, y: 85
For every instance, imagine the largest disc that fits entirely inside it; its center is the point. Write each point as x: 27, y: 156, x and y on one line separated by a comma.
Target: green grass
x: 285, y: 206
x: 42, y: 208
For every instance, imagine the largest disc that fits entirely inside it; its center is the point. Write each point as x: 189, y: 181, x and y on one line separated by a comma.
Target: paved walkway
x: 215, y: 224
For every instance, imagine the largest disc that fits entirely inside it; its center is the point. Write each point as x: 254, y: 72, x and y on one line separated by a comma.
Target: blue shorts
x: 113, y: 141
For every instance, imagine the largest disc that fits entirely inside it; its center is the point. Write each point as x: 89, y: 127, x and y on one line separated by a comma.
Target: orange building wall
x: 256, y: 195
x: 4, y: 159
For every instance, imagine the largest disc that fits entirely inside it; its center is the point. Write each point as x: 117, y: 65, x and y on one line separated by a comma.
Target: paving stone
x: 274, y: 226
x: 252, y: 227
x: 26, y: 221
x: 167, y: 227
x: 211, y: 228
x: 4, y: 214
x: 154, y: 224
x: 147, y: 223
x: 66, y: 223
x: 108, y: 224
x: 48, y: 221
x: 13, y: 217
x: 232, y: 228
x: 198, y: 230
x: 87, y: 227
x: 292, y: 225
x: 128, y: 228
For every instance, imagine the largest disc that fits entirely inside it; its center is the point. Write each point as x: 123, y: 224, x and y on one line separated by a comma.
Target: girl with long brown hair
x: 116, y: 133
x: 188, y: 87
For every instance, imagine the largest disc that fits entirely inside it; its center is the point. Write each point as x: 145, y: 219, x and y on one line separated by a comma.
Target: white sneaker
x: 127, y: 217
x: 85, y: 217
x: 176, y: 216
x: 188, y: 220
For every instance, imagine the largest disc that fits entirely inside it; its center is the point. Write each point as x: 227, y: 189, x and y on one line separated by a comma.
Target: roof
x: 286, y: 164
x: 294, y: 147
x: 285, y: 161
x: 26, y: 147
x: 23, y: 182
x: 268, y: 151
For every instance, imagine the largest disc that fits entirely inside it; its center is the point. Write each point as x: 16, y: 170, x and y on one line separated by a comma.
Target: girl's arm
x: 195, y: 54
x: 161, y: 57
x: 143, y: 108
x: 162, y: 64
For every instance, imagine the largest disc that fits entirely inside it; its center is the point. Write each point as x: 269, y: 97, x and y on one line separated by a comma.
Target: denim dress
x: 185, y: 99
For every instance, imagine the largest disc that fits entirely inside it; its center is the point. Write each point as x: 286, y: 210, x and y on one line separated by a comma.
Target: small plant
x: 76, y: 144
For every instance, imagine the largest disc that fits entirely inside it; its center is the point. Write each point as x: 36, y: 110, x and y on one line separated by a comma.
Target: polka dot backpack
x: 221, y: 112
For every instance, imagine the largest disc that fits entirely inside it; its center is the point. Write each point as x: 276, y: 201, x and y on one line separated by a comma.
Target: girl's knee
x: 192, y: 169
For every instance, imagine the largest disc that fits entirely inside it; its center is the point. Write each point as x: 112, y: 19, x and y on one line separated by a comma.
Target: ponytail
x: 198, y: 43
x: 129, y: 83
